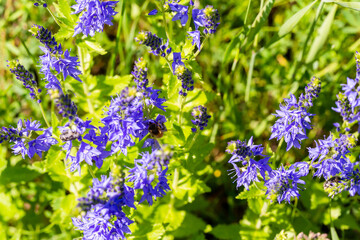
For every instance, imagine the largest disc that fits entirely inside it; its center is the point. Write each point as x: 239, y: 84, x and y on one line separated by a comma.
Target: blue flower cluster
x: 95, y: 14
x: 200, y: 116
x: 293, y: 117
x: 104, y: 217
x: 208, y: 18
x: 149, y: 174
x: 26, y: 78
x: 140, y: 74
x: 183, y: 74
x: 158, y: 45
x: 282, y: 184
x: 245, y: 167
x: 23, y: 141
x: 55, y: 61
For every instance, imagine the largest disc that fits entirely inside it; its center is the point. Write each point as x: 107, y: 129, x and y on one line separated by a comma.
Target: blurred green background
x: 248, y: 81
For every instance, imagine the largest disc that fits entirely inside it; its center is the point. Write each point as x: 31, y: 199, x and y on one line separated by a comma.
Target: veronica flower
x: 46, y: 38
x: 329, y: 155
x: 95, y: 14
x: 181, y: 13
x: 183, y: 74
x: 293, y: 117
x: 201, y: 117
x: 149, y: 174
x: 245, y: 167
x: 21, y: 138
x: 26, y: 78
x: 283, y: 184
x: 208, y: 18
x: 140, y: 73
x: 157, y: 45
x: 195, y: 35
x: 104, y: 217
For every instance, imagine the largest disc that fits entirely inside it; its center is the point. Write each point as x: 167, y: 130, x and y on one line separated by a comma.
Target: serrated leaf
x: 259, y: 21
x: 289, y: 25
x: 94, y: 47
x: 351, y: 5
x: 65, y: 10
x: 322, y: 35
x: 64, y: 33
x: 254, y: 192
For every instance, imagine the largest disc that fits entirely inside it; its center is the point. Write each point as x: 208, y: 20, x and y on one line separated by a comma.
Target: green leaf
x: 234, y: 44
x: 93, y: 46
x: 223, y: 231
x: 259, y: 21
x: 289, y: 25
x: 65, y: 10
x: 18, y: 174
x: 322, y: 35
x: 254, y: 192
x: 64, y: 33
x: 190, y: 226
x: 351, y: 5
x: 179, y: 133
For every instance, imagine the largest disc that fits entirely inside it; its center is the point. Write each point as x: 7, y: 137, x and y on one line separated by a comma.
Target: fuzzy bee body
x: 69, y: 135
x: 331, y: 181
x: 156, y: 129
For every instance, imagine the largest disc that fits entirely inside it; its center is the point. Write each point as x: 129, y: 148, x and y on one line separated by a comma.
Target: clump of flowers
x: 149, y: 174
x: 245, y: 167
x: 157, y: 44
x: 23, y: 141
x: 293, y: 117
x: 95, y: 14
x: 183, y: 74
x: 140, y: 73
x: 26, y: 78
x: 208, y: 18
x: 104, y: 217
x: 201, y: 118
x: 282, y: 184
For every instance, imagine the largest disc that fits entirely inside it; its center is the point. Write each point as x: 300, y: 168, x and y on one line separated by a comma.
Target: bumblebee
x: 331, y: 182
x: 156, y: 129
x: 68, y: 135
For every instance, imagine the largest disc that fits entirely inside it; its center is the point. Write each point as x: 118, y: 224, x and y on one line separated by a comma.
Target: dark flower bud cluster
x: 40, y: 2
x: 312, y: 91
x: 26, y: 78
x: 344, y: 108
x: 45, y: 37
x: 183, y: 74
x: 65, y: 106
x: 154, y: 42
x: 140, y: 74
x: 208, y: 18
x: 200, y: 116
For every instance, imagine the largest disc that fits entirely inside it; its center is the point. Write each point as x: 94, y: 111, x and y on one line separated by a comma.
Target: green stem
x: 189, y: 18
x: 54, y: 17
x: 91, y: 172
x: 169, y: 63
x: 294, y: 209
x: 182, y: 103
x: 249, y: 76
x: 43, y: 113
x: 118, y: 42
x: 165, y: 24
x: 277, y: 152
x: 195, y: 137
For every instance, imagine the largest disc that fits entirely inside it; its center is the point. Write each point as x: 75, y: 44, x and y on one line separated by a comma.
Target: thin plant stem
x: 43, y: 114
x: 118, y: 44
x: 182, y: 103
x: 165, y: 24
x: 91, y: 172
x: 54, y: 17
x: 194, y: 139
x: 249, y: 76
